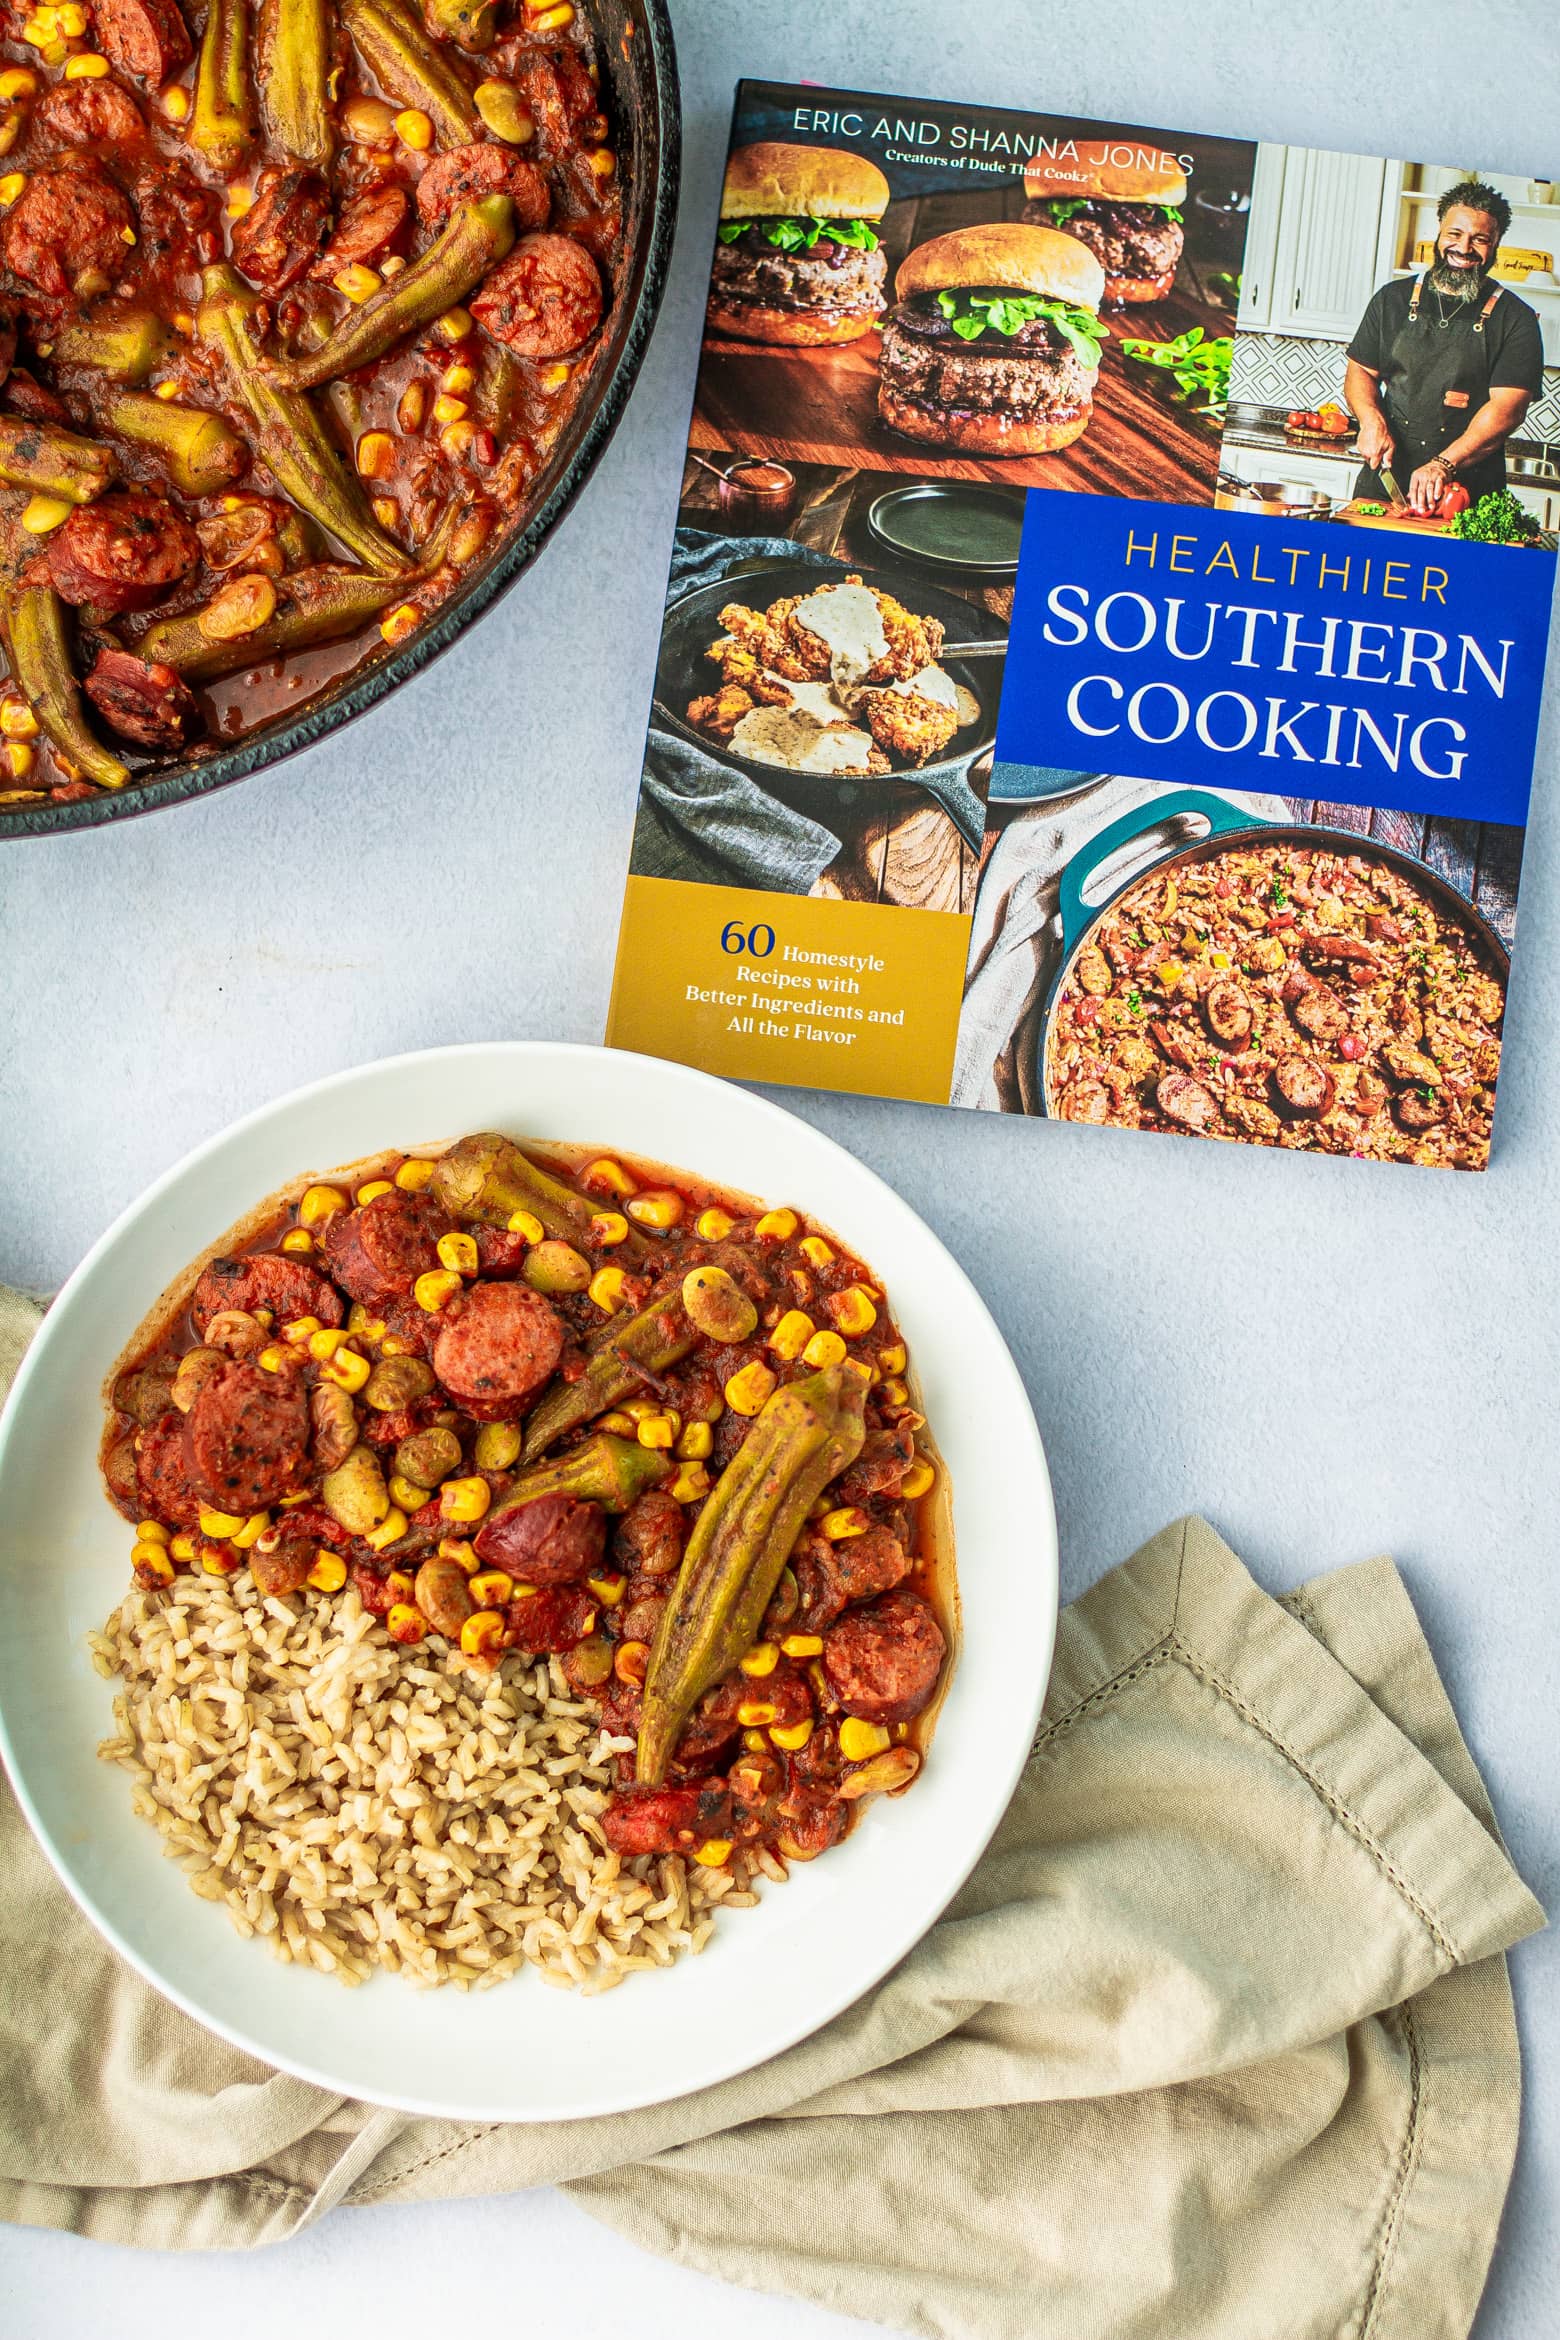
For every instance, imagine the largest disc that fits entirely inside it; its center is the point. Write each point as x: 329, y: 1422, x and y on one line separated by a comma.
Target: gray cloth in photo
x: 1015, y: 935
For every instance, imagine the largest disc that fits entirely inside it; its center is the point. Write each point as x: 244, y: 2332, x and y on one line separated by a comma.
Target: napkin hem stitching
x: 1081, y: 1708
x: 1340, y: 1811
x: 362, y: 2197
x: 1408, y: 2156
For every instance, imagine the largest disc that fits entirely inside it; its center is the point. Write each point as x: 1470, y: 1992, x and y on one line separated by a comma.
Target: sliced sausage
x: 91, y: 113
x: 1228, y: 1013
x: 68, y: 226
x: 1381, y: 927
x: 651, y: 1534
x: 544, y: 301
x: 1318, y: 1010
x: 499, y: 1253
x: 280, y: 234
x: 377, y: 1252
x: 121, y: 553
x: 145, y: 1393
x: 1175, y: 1043
x: 246, y: 1436
x: 880, y: 1467
x: 1418, y: 1109
x: 869, y: 1564
x: 179, y: 227
x: 368, y: 226
x: 148, y: 704
x: 265, y: 1279
x: 1182, y: 1099
x: 883, y: 1661
x: 25, y: 395
x: 148, y: 39
x: 1305, y: 1089
x: 498, y: 1345
x: 163, y: 1476
x: 555, y: 1540
x: 668, y: 1819
x: 712, y: 1725
x: 467, y: 173
x: 544, y: 1623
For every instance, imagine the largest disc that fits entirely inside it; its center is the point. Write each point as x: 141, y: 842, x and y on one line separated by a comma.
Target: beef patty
x: 1035, y: 371
x: 830, y: 276
x: 1132, y: 240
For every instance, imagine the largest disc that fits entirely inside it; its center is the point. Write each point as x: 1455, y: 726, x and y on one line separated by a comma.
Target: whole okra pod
x: 34, y: 621
x: 322, y: 604
x: 222, y: 126
x: 409, y: 67
x: 807, y: 1433
x: 292, y: 439
x: 613, y: 1472
x: 125, y: 345
x: 658, y: 1336
x: 476, y: 235
x: 53, y: 462
x: 486, y: 1177
x: 294, y: 76
x: 203, y: 454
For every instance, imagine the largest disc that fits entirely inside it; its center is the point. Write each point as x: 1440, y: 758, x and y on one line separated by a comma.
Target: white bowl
x: 522, y: 2051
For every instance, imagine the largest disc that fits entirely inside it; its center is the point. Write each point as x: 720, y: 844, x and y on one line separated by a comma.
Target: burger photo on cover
x: 1127, y: 206
x: 798, y: 255
x: 993, y: 346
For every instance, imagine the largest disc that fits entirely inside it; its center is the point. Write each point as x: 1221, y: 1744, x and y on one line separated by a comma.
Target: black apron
x: 1435, y: 378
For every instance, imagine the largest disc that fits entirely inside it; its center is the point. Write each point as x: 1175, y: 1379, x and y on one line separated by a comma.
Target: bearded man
x: 1445, y: 365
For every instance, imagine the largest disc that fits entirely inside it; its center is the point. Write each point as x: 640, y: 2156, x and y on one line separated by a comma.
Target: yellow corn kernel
x: 433, y: 1289
x: 182, y: 1547
x: 405, y: 1622
x: 483, y: 1633
x: 324, y: 1343
x: 251, y: 1530
x: 526, y: 1223
x: 458, y: 1252
x: 756, y: 1713
x: 892, y: 1359
x: 895, y: 1392
x: 86, y: 67
x: 794, y: 1736
x: 406, y: 1493
x: 320, y: 1203
x: 347, y: 1370
x: 375, y: 455
x: 608, y: 1590
x: 754, y: 1741
x: 606, y: 1288
x: 464, y: 1499
x: 454, y: 325
x: 398, y: 1584
x: 761, y: 1659
x: 860, y: 1739
x: 852, y: 1311
x: 714, y: 1225
x: 659, y: 1207
x: 273, y: 1357
x: 546, y: 17
x: 456, y: 437
x: 165, y: 390
x: 389, y: 1531
x: 630, y: 1661
x: 825, y: 1348
x: 618, y: 1424
x: 791, y: 1335
x: 264, y: 1316
x: 175, y: 103
x: 43, y: 513
x: 414, y: 129
x: 451, y: 1548
x: 492, y: 1587
x: 414, y: 1174
x: 802, y: 1644
x: 301, y: 1331
x: 19, y: 758
x: 554, y: 376
x: 1170, y: 973
x: 640, y: 1409
x: 608, y: 1228
x: 918, y: 1480
x: 355, y: 282
x: 813, y: 1247
x: 11, y: 186
x: 220, y: 1560
x: 400, y: 622
x: 603, y: 161
x: 781, y: 1225
x: 498, y: 102
x: 71, y: 21
x: 19, y: 82
x: 287, y: 1502
x: 150, y: 1531
x: 1219, y: 959
x: 456, y: 381
x: 748, y: 1389
x: 659, y: 1431
x: 372, y: 1188
x: 152, y: 1560
x: 17, y: 720
x: 691, y: 1483
x: 527, y: 1592
x: 240, y: 200
x: 716, y: 1852
x: 839, y: 1526
x: 449, y: 410
x: 297, y: 1243
x: 696, y: 1442
x: 611, y: 1177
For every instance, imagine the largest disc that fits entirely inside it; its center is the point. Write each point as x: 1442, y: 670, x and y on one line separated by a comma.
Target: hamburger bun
x: 982, y: 434
x: 1005, y: 256
x: 795, y: 328
x: 1129, y: 291
x: 771, y: 181
x: 1160, y: 180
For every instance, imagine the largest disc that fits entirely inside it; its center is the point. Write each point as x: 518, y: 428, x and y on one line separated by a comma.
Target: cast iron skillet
x: 1229, y: 826
x: 639, y: 64
x: 685, y: 673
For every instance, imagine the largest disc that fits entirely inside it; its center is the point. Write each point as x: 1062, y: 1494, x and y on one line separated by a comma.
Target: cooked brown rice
x: 357, y: 1803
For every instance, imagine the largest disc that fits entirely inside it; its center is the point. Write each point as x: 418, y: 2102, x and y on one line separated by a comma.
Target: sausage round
x: 866, y: 1565
x: 544, y: 301
x: 369, y: 224
x: 1319, y: 1012
x: 542, y: 1623
x: 651, y: 1534
x: 148, y: 704
x: 467, y: 173
x: 1228, y: 1013
x: 121, y: 553
x: 68, y: 210
x: 668, y: 1819
x: 148, y: 39
x: 377, y: 1252
x: 1418, y: 1109
x: 1181, y: 1098
x: 91, y: 113
x: 246, y: 1435
x: 497, y: 1346
x: 162, y: 1474
x: 178, y: 222
x: 1305, y: 1089
x: 265, y: 1279
x: 277, y: 238
x: 555, y: 1540
x: 883, y: 1661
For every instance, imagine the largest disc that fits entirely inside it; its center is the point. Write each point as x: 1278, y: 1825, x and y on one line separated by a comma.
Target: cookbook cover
x: 1105, y: 635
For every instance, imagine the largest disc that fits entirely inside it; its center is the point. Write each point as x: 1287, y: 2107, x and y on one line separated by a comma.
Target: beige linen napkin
x: 1216, y: 2044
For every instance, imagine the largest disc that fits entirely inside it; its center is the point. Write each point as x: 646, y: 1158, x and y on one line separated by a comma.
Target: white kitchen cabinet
x: 1314, y: 240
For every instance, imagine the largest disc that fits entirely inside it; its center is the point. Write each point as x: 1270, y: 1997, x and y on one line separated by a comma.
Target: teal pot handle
x: 1219, y: 814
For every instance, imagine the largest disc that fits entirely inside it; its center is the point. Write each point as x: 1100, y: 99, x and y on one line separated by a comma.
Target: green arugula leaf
x: 859, y: 234
x: 730, y: 229
x: 800, y: 235
x: 1171, y: 213
x: 973, y: 313
x: 1065, y: 207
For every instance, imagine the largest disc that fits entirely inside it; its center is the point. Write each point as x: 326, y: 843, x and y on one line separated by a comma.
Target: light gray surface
x: 1327, y: 1358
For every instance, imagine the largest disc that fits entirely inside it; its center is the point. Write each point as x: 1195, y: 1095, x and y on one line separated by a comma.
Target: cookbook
x: 1105, y: 633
